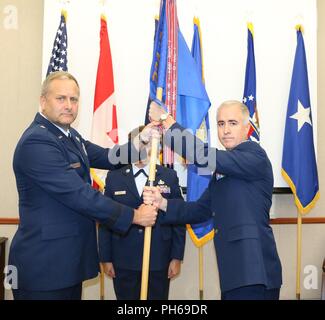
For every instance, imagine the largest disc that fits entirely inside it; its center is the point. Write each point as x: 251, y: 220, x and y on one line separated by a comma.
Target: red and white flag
x: 104, y: 126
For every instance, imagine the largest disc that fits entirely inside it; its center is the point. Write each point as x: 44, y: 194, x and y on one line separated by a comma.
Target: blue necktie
x: 139, y: 172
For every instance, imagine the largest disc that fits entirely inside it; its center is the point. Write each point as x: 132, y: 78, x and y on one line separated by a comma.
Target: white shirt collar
x: 65, y: 132
x: 136, y: 169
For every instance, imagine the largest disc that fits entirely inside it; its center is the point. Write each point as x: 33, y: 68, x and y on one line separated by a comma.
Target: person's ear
x: 247, y: 127
x: 42, y: 101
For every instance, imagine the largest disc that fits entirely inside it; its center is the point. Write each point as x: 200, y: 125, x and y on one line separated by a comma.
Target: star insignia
x: 302, y: 115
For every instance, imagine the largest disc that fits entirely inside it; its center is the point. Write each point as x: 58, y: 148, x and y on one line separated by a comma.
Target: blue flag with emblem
x: 249, y: 98
x: 59, y: 60
x: 299, y: 166
x: 146, y: 118
x: 192, y: 100
x: 198, y: 178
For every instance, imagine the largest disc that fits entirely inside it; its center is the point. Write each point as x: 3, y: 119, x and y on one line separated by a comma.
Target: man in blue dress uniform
x: 238, y: 198
x: 55, y: 247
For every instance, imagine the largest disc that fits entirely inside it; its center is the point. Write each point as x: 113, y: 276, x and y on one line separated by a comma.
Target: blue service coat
x: 126, y: 251
x: 238, y: 198
x: 55, y: 245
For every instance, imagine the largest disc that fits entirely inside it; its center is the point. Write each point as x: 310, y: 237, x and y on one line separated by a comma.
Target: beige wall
x: 20, y: 77
x: 21, y: 32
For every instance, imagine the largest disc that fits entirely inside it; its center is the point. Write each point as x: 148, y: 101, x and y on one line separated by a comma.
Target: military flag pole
x: 166, y: 71
x: 147, y: 232
x: 101, y: 283
x: 201, y: 272
x: 299, y: 166
x: 198, y: 179
x: 299, y: 237
x: 104, y: 131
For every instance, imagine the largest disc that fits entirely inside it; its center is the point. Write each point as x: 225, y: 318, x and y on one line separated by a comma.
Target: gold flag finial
x: 300, y: 28
x: 250, y: 27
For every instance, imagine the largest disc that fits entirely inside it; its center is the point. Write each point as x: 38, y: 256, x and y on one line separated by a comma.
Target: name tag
x: 119, y: 193
x: 75, y: 165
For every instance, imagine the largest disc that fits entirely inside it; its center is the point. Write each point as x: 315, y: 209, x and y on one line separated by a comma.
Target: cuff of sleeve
x: 105, y: 259
x: 176, y: 126
x: 177, y: 256
x: 124, y: 221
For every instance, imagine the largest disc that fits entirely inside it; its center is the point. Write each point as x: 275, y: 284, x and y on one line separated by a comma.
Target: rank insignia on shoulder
x: 219, y: 176
x: 161, y: 182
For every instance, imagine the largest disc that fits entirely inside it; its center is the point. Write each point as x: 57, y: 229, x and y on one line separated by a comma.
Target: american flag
x: 59, y: 61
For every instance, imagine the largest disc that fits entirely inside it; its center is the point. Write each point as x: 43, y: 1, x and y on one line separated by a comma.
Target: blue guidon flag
x: 199, y: 178
x: 299, y: 166
x: 249, y: 98
x: 174, y: 77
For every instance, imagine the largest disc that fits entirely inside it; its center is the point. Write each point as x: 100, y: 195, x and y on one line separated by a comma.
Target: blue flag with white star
x: 249, y: 98
x: 59, y: 60
x: 299, y: 166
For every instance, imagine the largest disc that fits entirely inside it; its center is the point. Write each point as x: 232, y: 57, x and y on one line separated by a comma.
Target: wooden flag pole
x: 101, y: 268
x: 299, y: 235
x: 101, y: 282
x: 147, y: 233
x: 201, y: 272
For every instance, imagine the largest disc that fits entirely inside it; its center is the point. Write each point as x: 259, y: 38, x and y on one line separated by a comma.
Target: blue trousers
x: 127, y: 284
x: 255, y: 292
x: 71, y: 293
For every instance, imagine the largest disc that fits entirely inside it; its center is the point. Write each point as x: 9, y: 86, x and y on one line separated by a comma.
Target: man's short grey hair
x: 60, y: 75
x: 241, y: 105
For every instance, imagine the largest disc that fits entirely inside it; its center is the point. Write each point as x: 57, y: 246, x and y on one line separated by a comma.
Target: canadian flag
x: 104, y: 125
